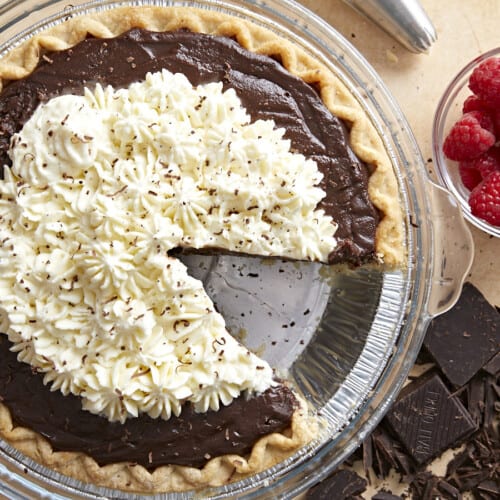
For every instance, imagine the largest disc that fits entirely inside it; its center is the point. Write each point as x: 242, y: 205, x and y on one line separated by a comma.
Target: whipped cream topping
x: 101, y: 187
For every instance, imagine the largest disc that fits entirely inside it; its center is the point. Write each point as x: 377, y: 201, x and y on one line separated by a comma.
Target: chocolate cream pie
x: 128, y: 136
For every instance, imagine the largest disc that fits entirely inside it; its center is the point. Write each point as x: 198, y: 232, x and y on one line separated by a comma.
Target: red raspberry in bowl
x: 485, y: 81
x: 484, y: 199
x: 474, y: 103
x: 469, y: 175
x: 479, y: 168
x: 489, y: 162
x: 495, y: 114
x: 468, y: 139
x: 484, y: 118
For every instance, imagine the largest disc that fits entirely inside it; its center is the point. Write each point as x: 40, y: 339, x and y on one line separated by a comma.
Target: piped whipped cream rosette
x: 102, y: 186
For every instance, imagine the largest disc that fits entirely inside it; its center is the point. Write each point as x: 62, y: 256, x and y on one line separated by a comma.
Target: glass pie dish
x: 351, y: 352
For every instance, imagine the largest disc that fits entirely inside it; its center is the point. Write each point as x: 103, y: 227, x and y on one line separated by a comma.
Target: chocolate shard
x: 490, y: 487
x: 383, y: 452
x: 476, y: 468
x: 384, y: 495
x: 424, y: 486
x: 476, y: 399
x: 367, y: 456
x: 447, y: 490
x: 341, y: 485
x: 465, y: 338
x: 427, y: 486
x: 493, y: 365
x: 491, y: 404
x: 428, y: 419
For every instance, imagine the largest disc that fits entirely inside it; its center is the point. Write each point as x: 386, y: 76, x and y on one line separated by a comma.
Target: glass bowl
x: 351, y: 355
x: 448, y: 111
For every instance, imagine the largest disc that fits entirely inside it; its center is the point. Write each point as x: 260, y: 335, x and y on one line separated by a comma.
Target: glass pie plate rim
x: 431, y: 284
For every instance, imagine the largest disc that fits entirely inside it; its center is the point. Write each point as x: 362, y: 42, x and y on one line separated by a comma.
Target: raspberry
x: 484, y: 165
x: 470, y: 176
x: 484, y: 119
x: 485, y: 81
x: 467, y: 139
x: 484, y: 199
x: 489, y: 162
x: 495, y: 115
x: 473, y: 103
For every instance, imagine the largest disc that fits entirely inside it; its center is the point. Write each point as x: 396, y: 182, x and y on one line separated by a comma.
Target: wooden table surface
x: 465, y: 29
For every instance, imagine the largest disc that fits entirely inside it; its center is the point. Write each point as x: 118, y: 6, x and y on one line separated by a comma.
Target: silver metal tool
x: 405, y: 20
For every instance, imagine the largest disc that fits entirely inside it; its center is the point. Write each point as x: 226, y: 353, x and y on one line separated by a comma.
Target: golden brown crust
x: 383, y: 190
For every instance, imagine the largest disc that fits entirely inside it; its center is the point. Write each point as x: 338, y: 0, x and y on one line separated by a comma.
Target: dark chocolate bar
x: 342, y: 485
x: 463, y: 339
x: 428, y: 419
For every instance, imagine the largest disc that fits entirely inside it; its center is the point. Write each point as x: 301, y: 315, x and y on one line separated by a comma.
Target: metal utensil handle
x: 405, y: 20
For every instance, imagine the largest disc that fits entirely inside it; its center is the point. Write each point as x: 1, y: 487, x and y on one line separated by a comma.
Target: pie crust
x: 383, y: 191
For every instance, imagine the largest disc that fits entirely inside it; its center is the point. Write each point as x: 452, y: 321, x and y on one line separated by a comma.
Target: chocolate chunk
x: 476, y: 399
x: 385, y: 452
x: 491, y: 403
x: 428, y: 419
x: 381, y: 452
x: 384, y: 495
x: 462, y: 340
x: 447, y: 490
x: 367, y: 455
x: 424, y: 486
x: 427, y: 486
x: 476, y: 466
x: 493, y: 365
x: 490, y: 487
x: 342, y: 484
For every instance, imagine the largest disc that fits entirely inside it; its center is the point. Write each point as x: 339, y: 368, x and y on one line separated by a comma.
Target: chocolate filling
x: 268, y: 91
x: 190, y: 439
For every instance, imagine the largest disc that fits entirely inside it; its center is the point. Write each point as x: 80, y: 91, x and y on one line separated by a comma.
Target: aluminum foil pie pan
x: 346, y: 338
